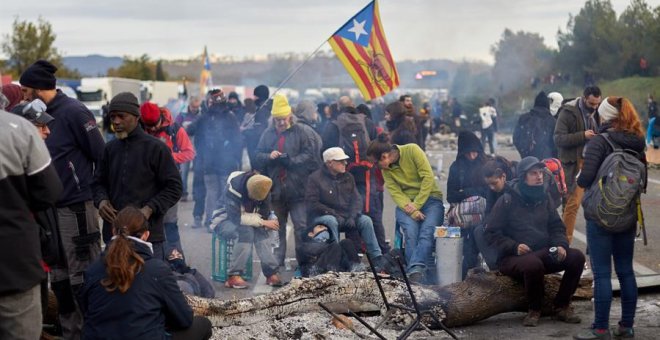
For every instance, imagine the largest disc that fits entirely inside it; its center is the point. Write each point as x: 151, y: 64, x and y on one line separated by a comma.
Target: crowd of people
x: 324, y: 167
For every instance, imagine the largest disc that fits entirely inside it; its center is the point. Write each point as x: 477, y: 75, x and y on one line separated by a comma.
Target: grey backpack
x: 612, y: 198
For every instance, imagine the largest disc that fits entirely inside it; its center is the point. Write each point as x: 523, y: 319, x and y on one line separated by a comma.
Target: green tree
x: 141, y: 68
x: 29, y: 42
x: 640, y: 37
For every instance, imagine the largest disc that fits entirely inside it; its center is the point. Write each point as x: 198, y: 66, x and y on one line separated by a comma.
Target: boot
x: 532, y: 318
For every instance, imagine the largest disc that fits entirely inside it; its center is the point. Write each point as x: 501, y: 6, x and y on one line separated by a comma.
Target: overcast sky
x: 415, y: 29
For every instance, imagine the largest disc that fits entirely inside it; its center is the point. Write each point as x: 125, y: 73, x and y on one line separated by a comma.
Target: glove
x: 350, y: 223
x: 228, y: 230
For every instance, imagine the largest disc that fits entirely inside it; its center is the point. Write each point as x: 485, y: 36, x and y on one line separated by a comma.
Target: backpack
x: 612, y: 197
x: 49, y: 236
x: 557, y: 189
x: 171, y: 131
x: 529, y: 133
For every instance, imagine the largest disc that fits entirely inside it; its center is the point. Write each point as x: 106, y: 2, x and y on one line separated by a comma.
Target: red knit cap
x: 150, y: 113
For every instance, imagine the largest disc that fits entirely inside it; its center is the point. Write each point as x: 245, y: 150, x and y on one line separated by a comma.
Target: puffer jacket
x: 236, y: 194
x: 326, y: 194
x: 289, y: 174
x: 514, y: 221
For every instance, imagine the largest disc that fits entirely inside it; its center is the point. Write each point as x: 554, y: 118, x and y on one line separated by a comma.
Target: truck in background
x: 159, y: 92
x: 96, y: 92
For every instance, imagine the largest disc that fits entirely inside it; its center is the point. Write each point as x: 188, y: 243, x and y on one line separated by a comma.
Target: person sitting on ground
x: 247, y: 206
x: 333, y: 200
x: 409, y: 179
x: 321, y: 253
x: 524, y: 226
x: 190, y: 280
x: 128, y: 294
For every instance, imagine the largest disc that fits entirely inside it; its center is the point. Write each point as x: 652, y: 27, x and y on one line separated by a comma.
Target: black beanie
x: 542, y: 100
x: 125, y: 102
x: 39, y: 76
x: 261, y: 92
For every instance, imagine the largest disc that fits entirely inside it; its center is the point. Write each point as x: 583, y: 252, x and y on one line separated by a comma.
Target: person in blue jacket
x: 128, y: 294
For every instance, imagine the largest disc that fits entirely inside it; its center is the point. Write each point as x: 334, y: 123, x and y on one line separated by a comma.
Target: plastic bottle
x: 274, y: 234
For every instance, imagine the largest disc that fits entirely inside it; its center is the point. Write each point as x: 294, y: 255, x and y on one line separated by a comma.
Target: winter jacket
x: 218, y: 140
x: 235, y: 196
x: 597, y: 149
x: 289, y: 174
x: 514, y: 221
x: 168, y: 133
x: 326, y: 194
x: 411, y: 179
x: 465, y: 178
x: 28, y: 183
x: 76, y: 146
x: 259, y: 125
x: 138, y: 170
x: 540, y: 120
x: 186, y: 118
x: 152, y: 303
x: 569, y: 139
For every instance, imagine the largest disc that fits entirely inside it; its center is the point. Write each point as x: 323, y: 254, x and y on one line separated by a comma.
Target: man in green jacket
x: 576, y: 124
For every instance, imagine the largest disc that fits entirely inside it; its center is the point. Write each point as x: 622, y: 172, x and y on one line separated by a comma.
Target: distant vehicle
x: 159, y: 92
x: 68, y: 91
x: 96, y: 92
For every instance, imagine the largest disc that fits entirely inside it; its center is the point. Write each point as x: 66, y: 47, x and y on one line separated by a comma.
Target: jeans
x: 603, y: 247
x: 20, y: 314
x: 375, y: 211
x: 531, y: 267
x: 470, y: 250
x: 489, y: 134
x: 260, y: 237
x: 298, y: 211
x: 364, y: 227
x: 185, y: 171
x: 418, y: 235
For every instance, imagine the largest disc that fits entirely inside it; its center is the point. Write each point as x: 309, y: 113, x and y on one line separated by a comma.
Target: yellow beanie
x: 281, y: 107
x: 258, y: 187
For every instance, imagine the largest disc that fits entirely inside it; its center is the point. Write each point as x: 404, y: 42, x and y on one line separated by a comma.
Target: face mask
x: 322, y: 237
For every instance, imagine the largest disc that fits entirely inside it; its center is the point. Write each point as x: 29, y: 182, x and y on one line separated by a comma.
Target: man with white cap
x: 333, y: 200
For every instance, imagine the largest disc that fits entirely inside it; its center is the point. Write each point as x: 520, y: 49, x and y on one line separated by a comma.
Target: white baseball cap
x: 334, y: 154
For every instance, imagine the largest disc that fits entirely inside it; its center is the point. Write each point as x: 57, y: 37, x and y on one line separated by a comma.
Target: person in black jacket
x: 28, y: 183
x: 620, y: 121
x: 401, y: 127
x: 256, y: 127
x: 534, y: 132
x: 524, y: 225
x: 465, y: 180
x: 129, y: 294
x: 137, y: 169
x: 76, y: 146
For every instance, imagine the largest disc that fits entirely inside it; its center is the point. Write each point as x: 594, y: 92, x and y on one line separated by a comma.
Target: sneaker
x: 592, y: 333
x: 416, y: 277
x: 567, y: 315
x: 236, y: 281
x: 621, y: 332
x: 274, y: 280
x: 532, y: 318
x: 198, y: 222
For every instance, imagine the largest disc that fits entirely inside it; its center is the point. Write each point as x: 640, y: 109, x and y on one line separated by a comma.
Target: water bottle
x: 274, y: 234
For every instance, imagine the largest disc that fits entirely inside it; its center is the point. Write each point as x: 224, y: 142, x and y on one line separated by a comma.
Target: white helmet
x: 555, y: 99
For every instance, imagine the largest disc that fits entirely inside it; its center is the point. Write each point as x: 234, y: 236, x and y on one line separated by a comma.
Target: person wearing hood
x: 131, y: 294
x: 620, y: 121
x: 13, y: 94
x: 524, y: 226
x: 465, y: 180
x: 235, y: 106
x: 309, y: 117
x: 533, y: 135
x: 221, y: 149
x: 556, y: 100
x: 157, y: 122
x: 254, y: 129
x: 576, y: 125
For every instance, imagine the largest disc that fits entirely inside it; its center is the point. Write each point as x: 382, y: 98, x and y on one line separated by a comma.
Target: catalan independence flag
x: 361, y: 46
x: 205, y: 78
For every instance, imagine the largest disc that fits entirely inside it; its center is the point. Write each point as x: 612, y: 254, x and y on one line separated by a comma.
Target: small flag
x: 205, y: 78
x: 362, y: 48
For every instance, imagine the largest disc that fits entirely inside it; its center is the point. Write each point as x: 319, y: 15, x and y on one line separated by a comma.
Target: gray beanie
x: 125, y: 102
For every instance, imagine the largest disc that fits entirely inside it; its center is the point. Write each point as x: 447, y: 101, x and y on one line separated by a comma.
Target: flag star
x: 358, y: 29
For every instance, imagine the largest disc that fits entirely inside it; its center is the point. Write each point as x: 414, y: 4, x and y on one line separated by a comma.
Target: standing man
x: 488, y: 114
x: 76, y: 146
x: 256, y: 127
x: 575, y: 126
x: 28, y: 182
x: 286, y: 154
x: 136, y: 170
x: 157, y: 122
x: 184, y: 119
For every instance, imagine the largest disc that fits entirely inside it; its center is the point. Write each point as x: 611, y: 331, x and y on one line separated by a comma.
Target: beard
x: 121, y: 135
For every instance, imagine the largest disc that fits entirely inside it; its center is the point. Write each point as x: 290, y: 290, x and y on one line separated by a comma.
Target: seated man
x: 333, y: 200
x: 524, y: 226
x: 321, y: 253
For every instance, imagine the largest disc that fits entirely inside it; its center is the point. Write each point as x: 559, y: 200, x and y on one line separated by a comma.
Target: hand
x: 107, y: 211
x: 275, y: 154
x: 561, y: 253
x: 350, y: 223
x: 523, y: 249
x: 589, y: 134
x: 418, y: 216
x: 271, y: 224
x: 409, y: 208
x: 146, y: 211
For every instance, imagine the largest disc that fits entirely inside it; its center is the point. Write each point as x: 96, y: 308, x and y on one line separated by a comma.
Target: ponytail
x: 121, y: 261
x: 628, y: 118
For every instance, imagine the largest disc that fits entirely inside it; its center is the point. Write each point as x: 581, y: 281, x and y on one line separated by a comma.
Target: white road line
x: 654, y: 181
x: 639, y: 268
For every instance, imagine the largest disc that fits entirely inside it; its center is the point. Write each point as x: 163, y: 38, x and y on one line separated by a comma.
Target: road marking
x: 639, y: 268
x: 654, y: 181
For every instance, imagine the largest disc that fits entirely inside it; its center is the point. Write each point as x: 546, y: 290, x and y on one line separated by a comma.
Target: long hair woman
x: 409, y: 179
x: 621, y: 123
x: 127, y: 294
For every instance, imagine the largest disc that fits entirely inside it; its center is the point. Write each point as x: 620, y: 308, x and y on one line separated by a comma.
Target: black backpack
x: 49, y: 236
x: 528, y: 134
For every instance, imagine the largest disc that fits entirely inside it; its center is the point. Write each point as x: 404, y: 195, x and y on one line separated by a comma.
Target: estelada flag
x: 205, y: 77
x: 362, y: 48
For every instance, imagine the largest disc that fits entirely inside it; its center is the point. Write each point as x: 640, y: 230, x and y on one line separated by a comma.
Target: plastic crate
x: 221, y: 251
